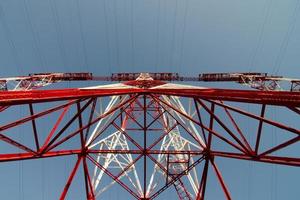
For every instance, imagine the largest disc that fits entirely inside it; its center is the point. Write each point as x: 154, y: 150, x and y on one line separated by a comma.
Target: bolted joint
x: 83, y: 152
x: 206, y: 153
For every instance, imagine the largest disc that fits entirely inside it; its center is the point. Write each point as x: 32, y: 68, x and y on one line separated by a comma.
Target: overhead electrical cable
x: 261, y: 34
x: 59, y: 35
x: 8, y: 35
x: 286, y: 39
x: 132, y: 35
x: 163, y: 44
x: 82, y: 38
x: 116, y: 34
x: 107, y: 36
x: 173, y: 42
x: 35, y: 35
x: 157, y: 49
x: 183, y: 35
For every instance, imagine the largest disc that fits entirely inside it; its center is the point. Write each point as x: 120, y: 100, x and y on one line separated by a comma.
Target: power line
x: 36, y: 39
x: 59, y: 34
x: 172, y: 51
x: 286, y: 39
x: 261, y: 33
x: 183, y: 34
x: 163, y: 44
x: 11, y: 42
x: 116, y: 34
x: 157, y: 36
x: 132, y: 36
x: 82, y: 38
x: 107, y: 36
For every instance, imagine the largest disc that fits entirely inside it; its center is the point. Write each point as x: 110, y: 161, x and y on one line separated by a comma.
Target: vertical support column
x: 211, y: 125
x: 262, y: 114
x: 202, y: 186
x: 90, y: 118
x: 36, y: 139
x: 145, y: 145
x: 87, y: 181
x: 121, y: 113
x: 200, y: 121
x: 211, y: 158
x: 89, y: 186
x: 80, y: 127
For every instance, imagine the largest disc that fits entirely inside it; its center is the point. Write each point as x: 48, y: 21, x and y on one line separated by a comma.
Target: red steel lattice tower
x: 145, y: 133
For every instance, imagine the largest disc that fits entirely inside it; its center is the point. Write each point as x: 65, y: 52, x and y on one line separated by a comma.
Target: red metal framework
x: 260, y: 81
x: 147, y: 135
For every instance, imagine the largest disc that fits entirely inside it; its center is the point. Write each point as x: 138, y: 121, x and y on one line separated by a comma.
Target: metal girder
x: 256, y: 80
x: 259, y: 97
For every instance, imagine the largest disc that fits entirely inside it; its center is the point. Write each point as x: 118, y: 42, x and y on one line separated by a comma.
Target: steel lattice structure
x: 145, y: 133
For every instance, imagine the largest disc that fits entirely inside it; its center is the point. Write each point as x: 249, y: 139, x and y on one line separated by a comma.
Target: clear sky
x: 184, y: 36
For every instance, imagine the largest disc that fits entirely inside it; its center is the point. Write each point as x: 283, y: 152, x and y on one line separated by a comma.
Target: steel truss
x: 147, y: 135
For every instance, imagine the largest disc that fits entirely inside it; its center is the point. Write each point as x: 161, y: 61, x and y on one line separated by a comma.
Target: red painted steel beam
x: 221, y: 180
x: 200, y: 121
x: 58, y: 121
x: 257, y: 117
x: 37, y: 96
x: 247, y: 96
x: 259, y: 129
x: 237, y: 128
x: 202, y: 185
x: 88, y: 182
x: 26, y: 156
x: 281, y: 146
x: 35, y: 134
x: 70, y: 179
x: 66, y: 126
x: 15, y: 143
x: 36, y: 115
x: 217, y: 119
x: 145, y: 145
x: 90, y: 117
x: 267, y: 159
x: 2, y: 108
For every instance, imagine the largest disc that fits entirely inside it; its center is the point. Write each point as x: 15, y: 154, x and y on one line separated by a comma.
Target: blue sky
x: 184, y: 36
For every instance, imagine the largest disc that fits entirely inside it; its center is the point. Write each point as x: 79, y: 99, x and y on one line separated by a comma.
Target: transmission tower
x: 147, y: 133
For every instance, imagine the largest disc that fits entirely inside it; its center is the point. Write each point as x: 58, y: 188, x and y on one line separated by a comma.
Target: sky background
x: 184, y: 36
